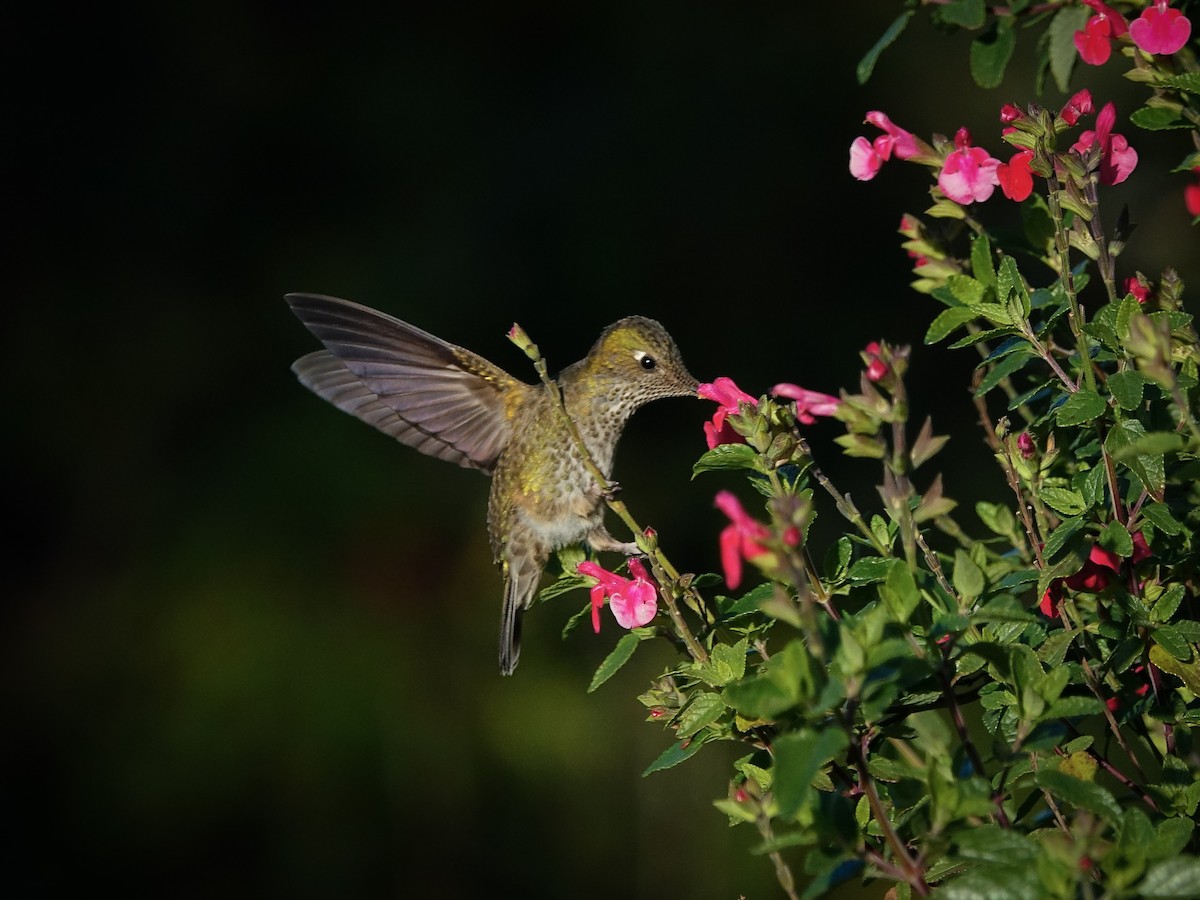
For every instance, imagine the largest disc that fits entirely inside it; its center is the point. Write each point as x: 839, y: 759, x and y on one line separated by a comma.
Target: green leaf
x: 981, y: 260
x: 1173, y: 642
x: 870, y: 569
x: 673, y: 756
x: 967, y: 290
x: 1081, y: 794
x: 799, y: 755
x: 1185, y: 671
x: 1171, y: 836
x: 968, y: 577
x: 964, y: 13
x: 1160, y: 516
x: 1007, y: 366
x: 899, y: 591
x: 1188, y: 81
x: 990, y: 54
x: 1175, y: 877
x: 1122, y: 444
x: 1127, y: 388
x: 867, y: 64
x: 618, y: 657
x: 1157, y: 118
x: 1060, y: 535
x: 947, y: 321
x: 991, y: 843
x: 726, y: 664
x: 705, y: 708
x: 999, y: 519
x: 726, y: 456
x: 1061, y: 43
x: 1069, y: 503
x: 1080, y: 407
x: 1069, y: 707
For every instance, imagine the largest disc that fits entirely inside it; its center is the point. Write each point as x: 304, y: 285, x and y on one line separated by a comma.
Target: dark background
x: 250, y: 644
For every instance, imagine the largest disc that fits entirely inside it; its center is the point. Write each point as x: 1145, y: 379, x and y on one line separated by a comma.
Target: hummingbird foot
x: 602, y: 542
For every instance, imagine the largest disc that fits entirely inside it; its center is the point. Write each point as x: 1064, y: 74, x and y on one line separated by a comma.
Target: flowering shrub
x: 990, y: 702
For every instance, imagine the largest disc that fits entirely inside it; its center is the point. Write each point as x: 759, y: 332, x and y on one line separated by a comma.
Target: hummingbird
x: 452, y: 404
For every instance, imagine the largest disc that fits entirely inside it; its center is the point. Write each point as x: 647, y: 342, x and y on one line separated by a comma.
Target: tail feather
x: 520, y: 587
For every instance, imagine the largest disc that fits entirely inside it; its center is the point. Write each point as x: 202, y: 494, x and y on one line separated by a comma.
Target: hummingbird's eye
x: 645, y: 359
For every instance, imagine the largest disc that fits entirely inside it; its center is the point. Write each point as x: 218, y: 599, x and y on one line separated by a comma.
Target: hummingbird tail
x: 521, y: 579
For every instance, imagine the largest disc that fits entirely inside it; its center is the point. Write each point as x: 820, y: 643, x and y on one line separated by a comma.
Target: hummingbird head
x: 636, y: 360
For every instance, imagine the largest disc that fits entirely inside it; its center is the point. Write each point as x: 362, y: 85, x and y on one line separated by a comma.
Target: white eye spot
x: 644, y: 359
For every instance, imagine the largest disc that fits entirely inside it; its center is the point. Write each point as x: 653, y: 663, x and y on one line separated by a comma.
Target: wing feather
x: 426, y: 393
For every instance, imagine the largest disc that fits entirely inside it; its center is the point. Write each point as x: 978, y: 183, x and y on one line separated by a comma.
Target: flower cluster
x: 1159, y: 31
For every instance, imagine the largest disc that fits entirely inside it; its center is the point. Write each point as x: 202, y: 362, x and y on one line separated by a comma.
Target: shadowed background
x: 250, y: 643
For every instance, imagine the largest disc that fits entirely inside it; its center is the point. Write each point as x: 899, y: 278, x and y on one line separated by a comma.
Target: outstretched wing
x: 427, y: 393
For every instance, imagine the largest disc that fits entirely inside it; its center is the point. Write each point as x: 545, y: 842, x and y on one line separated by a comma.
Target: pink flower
x: 969, y: 174
x: 633, y: 601
x: 866, y: 157
x: 876, y: 367
x: 1010, y: 113
x: 1140, y: 290
x: 809, y: 404
x: 1191, y: 194
x: 1025, y: 445
x: 1093, y: 43
x: 1015, y: 177
x: 1079, y: 105
x: 1095, y: 575
x: 742, y: 538
x: 1118, y: 159
x: 1160, y: 30
x: 723, y: 391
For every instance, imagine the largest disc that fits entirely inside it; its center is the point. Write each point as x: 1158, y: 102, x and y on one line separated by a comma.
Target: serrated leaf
x: 1127, y: 388
x: 1185, y: 671
x: 991, y: 843
x: 967, y: 290
x: 1069, y: 503
x: 1060, y: 535
x: 991, y: 52
x: 870, y: 569
x: 981, y: 260
x: 947, y: 321
x: 618, y: 657
x: 1080, y: 794
x: 726, y: 664
x: 1173, y: 642
x: 1157, y: 118
x: 1160, y: 516
x: 799, y: 755
x: 726, y: 456
x: 1082, y: 406
x: 705, y: 708
x: 673, y: 756
x: 1187, y: 81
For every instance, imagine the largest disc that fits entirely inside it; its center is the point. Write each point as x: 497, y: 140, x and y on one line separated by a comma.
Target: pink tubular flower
x: 876, y: 367
x: 1015, y: 177
x: 969, y: 174
x: 809, y: 404
x: 1118, y: 159
x: 1191, y: 194
x: 1094, y: 42
x: 741, y: 539
x: 1140, y: 290
x: 1160, y: 30
x: 633, y: 601
x: 866, y: 157
x: 723, y: 391
x: 1026, y: 446
x: 1079, y: 105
